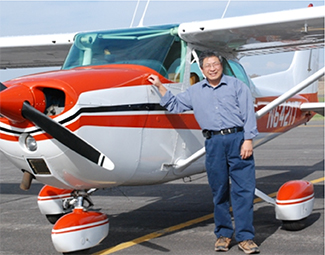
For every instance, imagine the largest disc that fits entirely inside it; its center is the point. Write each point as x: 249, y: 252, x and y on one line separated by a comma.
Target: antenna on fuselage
x: 224, y: 12
x: 135, y: 11
x: 144, y: 13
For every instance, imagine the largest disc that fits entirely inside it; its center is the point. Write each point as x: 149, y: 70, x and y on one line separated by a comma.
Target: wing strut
x: 181, y: 164
x: 285, y: 96
x: 264, y: 197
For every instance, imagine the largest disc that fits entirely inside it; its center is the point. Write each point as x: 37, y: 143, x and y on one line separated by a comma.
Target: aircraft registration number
x: 283, y: 115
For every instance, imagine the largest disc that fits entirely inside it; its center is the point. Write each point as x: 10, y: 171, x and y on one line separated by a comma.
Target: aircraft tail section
x: 304, y: 64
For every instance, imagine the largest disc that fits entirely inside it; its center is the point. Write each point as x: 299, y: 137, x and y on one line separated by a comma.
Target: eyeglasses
x: 214, y: 65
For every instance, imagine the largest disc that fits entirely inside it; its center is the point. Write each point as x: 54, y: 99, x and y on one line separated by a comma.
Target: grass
x: 318, y: 117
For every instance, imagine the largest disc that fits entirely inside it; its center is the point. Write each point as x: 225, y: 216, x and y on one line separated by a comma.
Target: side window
x: 227, y: 68
x: 195, y: 71
x: 239, y: 72
x: 230, y: 67
x: 175, y: 61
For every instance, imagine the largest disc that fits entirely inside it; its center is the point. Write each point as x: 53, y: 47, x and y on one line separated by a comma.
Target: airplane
x: 97, y: 122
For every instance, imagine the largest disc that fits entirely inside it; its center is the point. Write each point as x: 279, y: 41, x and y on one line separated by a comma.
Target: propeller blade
x: 66, y: 137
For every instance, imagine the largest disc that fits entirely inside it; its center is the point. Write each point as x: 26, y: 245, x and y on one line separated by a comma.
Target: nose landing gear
x: 79, y: 229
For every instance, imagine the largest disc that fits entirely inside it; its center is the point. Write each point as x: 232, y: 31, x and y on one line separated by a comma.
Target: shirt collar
x: 223, y: 81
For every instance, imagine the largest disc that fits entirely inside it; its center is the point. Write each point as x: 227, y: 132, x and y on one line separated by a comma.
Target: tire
x: 53, y: 218
x: 294, y: 225
x: 81, y: 252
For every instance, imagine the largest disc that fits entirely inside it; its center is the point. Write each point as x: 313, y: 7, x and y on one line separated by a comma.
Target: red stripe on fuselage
x: 9, y: 137
x: 284, y: 118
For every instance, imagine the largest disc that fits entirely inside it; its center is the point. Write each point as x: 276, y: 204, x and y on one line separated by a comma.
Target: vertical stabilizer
x: 304, y: 64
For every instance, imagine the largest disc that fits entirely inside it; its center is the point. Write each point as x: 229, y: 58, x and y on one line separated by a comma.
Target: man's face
x: 212, y: 69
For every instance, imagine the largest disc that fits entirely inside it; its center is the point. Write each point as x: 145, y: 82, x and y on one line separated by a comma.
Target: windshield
x: 159, y: 48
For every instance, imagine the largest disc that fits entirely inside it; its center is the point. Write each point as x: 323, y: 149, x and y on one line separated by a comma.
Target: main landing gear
x: 294, y: 203
x: 75, y: 226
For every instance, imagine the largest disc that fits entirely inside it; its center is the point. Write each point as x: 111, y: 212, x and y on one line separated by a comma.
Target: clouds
x: 261, y: 65
x: 272, y: 66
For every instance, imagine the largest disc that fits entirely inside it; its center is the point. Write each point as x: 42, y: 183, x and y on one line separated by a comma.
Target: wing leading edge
x: 34, y: 50
x: 241, y: 36
x: 259, y: 34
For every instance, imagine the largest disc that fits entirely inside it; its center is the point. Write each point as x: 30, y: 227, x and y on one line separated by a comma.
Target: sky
x: 53, y: 17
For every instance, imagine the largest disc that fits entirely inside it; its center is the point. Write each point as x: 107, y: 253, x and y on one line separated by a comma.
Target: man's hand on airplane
x: 154, y: 79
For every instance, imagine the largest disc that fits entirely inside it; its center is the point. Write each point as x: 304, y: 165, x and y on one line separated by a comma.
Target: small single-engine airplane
x: 97, y: 123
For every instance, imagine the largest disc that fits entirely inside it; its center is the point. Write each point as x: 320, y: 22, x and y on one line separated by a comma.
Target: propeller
x: 65, y: 136
x: 11, y: 107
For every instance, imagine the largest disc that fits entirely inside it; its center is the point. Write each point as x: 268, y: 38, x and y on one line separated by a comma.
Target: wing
x: 34, y: 50
x: 259, y: 34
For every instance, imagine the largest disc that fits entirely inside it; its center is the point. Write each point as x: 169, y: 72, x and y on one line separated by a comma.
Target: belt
x: 208, y: 133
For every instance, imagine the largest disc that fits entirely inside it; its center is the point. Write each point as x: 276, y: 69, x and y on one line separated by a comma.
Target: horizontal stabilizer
x: 315, y: 107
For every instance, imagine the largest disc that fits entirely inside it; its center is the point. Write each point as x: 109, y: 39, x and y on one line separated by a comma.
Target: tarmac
x: 177, y: 217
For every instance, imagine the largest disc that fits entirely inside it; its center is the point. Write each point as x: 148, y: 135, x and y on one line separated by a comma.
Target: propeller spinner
x: 17, y: 104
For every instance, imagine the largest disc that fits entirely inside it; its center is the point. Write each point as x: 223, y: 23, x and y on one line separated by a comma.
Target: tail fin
x: 304, y: 64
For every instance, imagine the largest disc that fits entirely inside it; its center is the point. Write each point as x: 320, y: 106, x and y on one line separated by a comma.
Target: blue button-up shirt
x: 228, y: 105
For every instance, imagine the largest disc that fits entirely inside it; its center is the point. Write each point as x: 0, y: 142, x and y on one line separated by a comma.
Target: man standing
x: 223, y: 107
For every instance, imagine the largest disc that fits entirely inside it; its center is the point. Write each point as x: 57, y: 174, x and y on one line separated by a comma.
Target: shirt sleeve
x: 246, y: 106
x: 177, y: 104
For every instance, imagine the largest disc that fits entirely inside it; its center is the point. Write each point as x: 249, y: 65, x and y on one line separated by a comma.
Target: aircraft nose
x: 12, y: 99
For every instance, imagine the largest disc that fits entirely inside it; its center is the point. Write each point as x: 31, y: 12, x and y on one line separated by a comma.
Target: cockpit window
x: 239, y: 72
x: 158, y: 48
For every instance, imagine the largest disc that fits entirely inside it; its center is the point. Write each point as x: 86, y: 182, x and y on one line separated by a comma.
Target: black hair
x: 207, y: 54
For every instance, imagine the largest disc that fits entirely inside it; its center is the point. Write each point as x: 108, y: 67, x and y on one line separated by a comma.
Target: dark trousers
x: 223, y: 161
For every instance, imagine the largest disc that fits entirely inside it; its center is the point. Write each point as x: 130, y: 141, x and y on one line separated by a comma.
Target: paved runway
x: 176, y: 218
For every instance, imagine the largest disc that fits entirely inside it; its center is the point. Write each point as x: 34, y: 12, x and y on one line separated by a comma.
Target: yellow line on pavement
x: 164, y: 231
x: 154, y: 235
x: 318, y: 180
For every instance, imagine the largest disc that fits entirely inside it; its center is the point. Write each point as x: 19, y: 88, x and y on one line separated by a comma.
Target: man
x: 223, y: 107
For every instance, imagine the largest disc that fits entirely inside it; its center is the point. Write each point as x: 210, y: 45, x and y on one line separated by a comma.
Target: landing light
x: 30, y: 143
